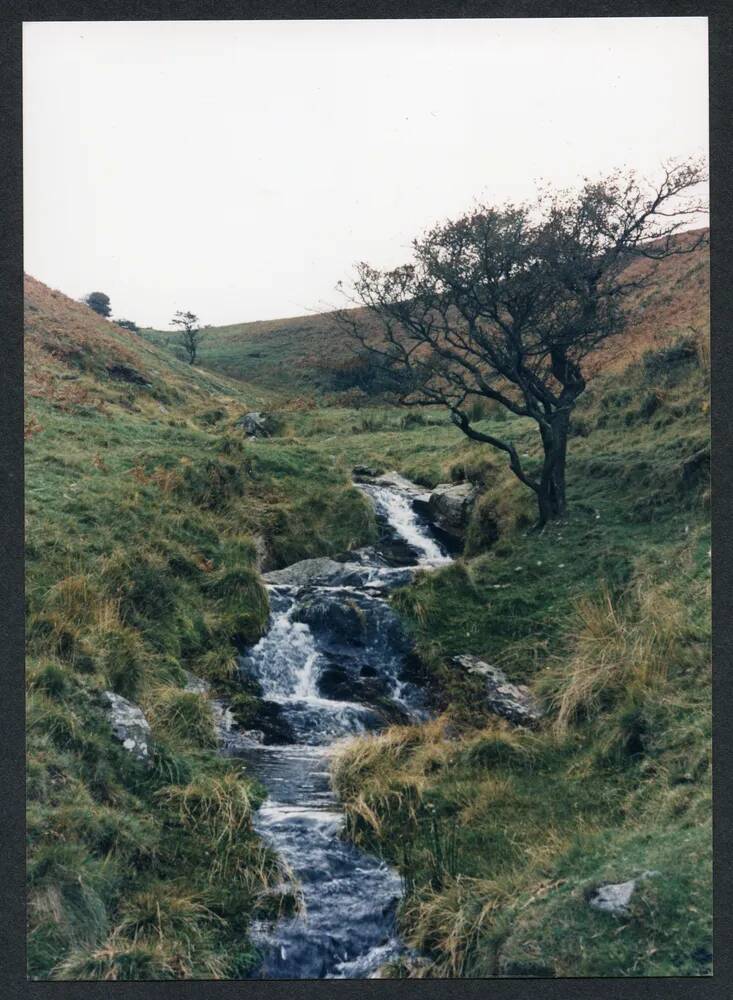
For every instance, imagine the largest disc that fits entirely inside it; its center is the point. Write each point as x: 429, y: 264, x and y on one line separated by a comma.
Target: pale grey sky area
x: 240, y: 168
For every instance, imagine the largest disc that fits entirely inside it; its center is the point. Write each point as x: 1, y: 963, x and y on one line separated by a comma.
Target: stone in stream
x: 129, y: 726
x: 351, y: 617
x: 450, y: 506
x: 514, y: 702
x: 325, y: 572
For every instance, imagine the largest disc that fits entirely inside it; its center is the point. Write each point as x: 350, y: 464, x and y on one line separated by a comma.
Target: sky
x: 240, y: 169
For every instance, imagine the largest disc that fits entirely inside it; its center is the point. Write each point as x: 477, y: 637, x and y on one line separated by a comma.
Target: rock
x: 325, y: 572
x: 514, y: 702
x: 321, y: 570
x: 254, y: 424
x: 449, y: 508
x: 351, y: 618
x: 365, y: 471
x: 196, y: 684
x: 398, y: 482
x: 129, y: 726
x: 696, y: 469
x: 614, y: 897
x: 126, y: 373
x: 270, y: 723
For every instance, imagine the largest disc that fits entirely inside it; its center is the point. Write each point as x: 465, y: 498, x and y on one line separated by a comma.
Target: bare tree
x: 510, y: 304
x: 190, y: 335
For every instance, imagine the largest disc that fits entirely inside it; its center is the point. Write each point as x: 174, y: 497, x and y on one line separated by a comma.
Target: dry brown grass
x: 618, y: 646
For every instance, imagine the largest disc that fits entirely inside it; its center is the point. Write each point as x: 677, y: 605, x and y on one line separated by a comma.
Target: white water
x: 346, y: 929
x: 288, y: 657
x: 397, y: 509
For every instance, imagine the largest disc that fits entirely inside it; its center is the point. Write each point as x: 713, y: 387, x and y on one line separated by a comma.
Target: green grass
x: 149, y: 520
x: 500, y: 834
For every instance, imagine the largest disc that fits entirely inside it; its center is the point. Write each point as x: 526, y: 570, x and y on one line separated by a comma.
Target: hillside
x: 302, y: 355
x: 148, y: 517
x: 149, y: 521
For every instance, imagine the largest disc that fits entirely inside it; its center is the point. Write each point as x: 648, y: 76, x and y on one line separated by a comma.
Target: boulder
x: 365, y: 472
x: 129, y: 726
x: 196, y: 684
x: 449, y: 508
x: 254, y: 424
x: 126, y: 373
x: 325, y: 572
x: 514, y: 702
x: 320, y: 570
x: 345, y: 619
x: 615, y: 897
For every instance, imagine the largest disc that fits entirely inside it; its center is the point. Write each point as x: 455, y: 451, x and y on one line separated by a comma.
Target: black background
x: 12, y: 790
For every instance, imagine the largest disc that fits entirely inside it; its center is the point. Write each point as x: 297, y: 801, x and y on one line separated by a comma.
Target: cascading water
x: 333, y: 662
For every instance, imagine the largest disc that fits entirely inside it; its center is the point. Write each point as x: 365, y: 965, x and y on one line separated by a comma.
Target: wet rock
x: 270, y: 723
x: 129, y: 726
x: 450, y: 506
x: 615, y: 897
x: 126, y: 373
x: 326, y: 572
x: 321, y: 570
x: 353, y: 618
x: 340, y: 683
x: 400, y: 483
x: 254, y: 424
x: 514, y: 702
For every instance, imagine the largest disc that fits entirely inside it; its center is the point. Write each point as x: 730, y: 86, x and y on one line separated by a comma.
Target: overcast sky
x: 240, y: 168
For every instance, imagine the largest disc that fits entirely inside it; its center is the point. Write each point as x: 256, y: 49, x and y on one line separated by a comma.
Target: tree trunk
x: 551, y: 493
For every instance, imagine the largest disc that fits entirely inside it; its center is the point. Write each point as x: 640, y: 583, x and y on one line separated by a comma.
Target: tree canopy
x: 99, y: 302
x: 510, y: 304
x: 190, y: 333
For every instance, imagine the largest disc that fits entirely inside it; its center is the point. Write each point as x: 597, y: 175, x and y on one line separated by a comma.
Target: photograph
x: 367, y: 444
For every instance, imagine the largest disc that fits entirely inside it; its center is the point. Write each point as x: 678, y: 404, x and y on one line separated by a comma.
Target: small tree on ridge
x: 190, y: 335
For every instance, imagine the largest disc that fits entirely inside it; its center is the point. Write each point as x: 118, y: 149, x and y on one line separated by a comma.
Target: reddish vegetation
x: 677, y: 302
x: 64, y: 338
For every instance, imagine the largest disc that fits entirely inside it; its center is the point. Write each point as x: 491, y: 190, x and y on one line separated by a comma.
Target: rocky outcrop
x: 254, y: 424
x: 325, y: 572
x: 450, y: 506
x: 513, y: 702
x: 126, y: 373
x: 353, y: 618
x: 129, y: 726
x: 615, y: 897
x: 196, y: 684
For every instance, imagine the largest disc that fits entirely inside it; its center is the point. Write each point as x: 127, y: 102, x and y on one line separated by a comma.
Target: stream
x: 334, y: 663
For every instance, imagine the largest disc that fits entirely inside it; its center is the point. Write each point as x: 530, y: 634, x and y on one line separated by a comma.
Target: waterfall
x: 334, y: 654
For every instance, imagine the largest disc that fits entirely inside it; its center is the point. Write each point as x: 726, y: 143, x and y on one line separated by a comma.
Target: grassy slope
x: 144, y: 532
x: 499, y: 834
x: 147, y: 515
x: 294, y: 355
